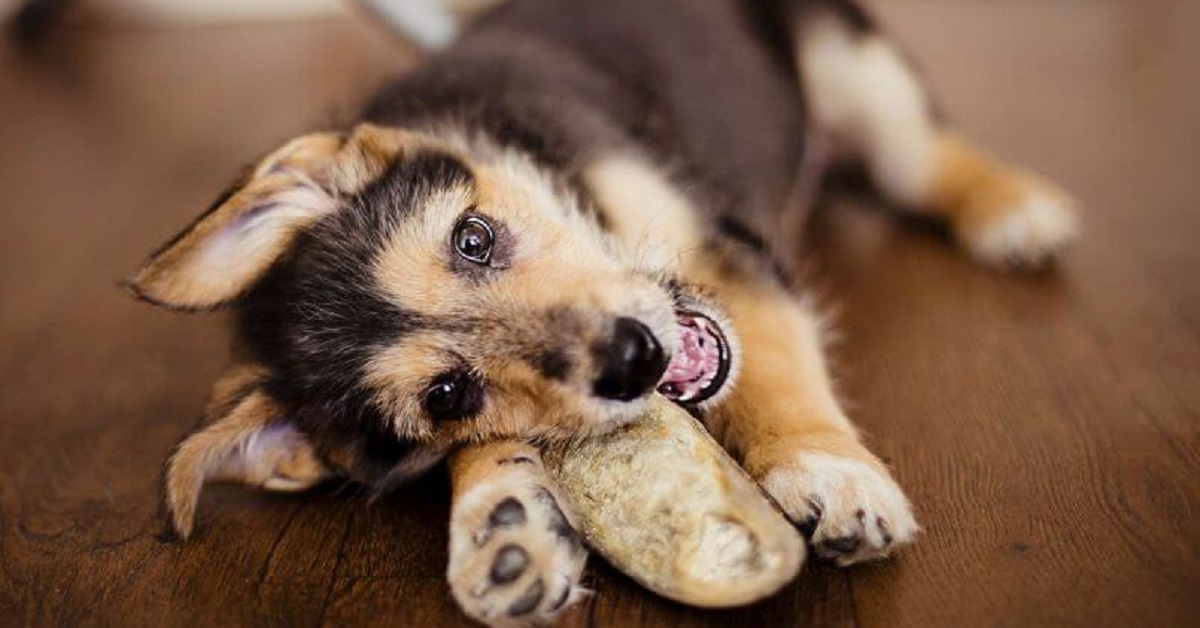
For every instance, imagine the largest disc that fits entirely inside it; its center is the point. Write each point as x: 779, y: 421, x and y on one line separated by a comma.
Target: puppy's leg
x: 514, y: 557
x: 785, y: 425
x: 781, y: 420
x: 861, y: 90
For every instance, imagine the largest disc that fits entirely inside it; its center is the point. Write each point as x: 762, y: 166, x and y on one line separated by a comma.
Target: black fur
x: 554, y: 364
x: 685, y: 81
x: 740, y: 232
x: 705, y: 88
x: 848, y: 11
x: 317, y: 317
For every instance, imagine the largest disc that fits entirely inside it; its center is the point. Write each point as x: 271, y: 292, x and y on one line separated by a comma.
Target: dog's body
x: 579, y: 203
x: 695, y: 87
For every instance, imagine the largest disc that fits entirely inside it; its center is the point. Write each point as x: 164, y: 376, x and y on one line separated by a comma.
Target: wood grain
x: 1047, y: 428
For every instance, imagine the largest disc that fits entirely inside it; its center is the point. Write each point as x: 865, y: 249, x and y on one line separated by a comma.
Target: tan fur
x: 413, y: 267
x: 197, y: 272
x: 654, y: 224
x: 234, y: 447
x: 785, y: 425
x: 782, y: 420
x: 399, y: 374
x: 784, y: 395
x: 784, y: 398
x: 216, y: 259
x: 474, y: 465
x: 977, y: 194
x: 557, y: 261
x: 519, y: 401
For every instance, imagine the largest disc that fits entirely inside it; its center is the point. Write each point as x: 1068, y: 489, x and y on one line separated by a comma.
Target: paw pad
x: 510, y: 563
x: 529, y: 599
x: 509, y: 512
x: 839, y: 546
x: 514, y: 557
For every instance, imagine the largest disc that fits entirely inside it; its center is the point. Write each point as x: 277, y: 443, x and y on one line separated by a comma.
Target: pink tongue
x: 688, y: 362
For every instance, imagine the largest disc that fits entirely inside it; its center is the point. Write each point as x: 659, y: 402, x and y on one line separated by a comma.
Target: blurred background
x: 1047, y: 428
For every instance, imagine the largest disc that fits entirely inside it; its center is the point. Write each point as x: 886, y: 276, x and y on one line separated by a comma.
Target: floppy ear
x: 246, y: 439
x: 223, y: 253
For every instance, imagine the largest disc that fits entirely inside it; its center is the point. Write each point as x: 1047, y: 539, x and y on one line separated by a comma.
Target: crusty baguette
x: 663, y: 502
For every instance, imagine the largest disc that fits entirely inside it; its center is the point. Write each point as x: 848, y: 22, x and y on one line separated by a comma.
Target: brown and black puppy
x: 580, y: 203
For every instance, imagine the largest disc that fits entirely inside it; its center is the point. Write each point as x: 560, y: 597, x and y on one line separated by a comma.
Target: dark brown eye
x: 453, y: 396
x: 473, y: 239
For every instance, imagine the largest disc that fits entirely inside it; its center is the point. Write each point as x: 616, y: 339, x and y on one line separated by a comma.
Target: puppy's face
x: 409, y: 287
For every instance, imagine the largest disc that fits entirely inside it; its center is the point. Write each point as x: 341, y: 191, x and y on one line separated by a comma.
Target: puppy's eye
x: 453, y: 396
x: 473, y: 239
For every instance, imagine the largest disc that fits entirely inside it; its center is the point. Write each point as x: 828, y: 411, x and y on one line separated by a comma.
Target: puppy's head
x: 400, y: 293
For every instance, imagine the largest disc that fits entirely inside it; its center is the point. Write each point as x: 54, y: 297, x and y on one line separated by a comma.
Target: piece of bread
x: 664, y: 503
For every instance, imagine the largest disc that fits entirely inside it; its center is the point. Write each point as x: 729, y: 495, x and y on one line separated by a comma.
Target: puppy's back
x: 705, y: 85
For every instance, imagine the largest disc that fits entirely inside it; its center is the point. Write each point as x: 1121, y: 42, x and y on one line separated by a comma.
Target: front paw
x: 514, y: 558
x: 849, y: 509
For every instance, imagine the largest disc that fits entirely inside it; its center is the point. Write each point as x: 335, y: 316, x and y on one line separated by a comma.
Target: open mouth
x: 700, y: 364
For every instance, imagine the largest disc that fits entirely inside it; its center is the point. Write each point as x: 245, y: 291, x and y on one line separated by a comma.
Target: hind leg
x: 861, y: 90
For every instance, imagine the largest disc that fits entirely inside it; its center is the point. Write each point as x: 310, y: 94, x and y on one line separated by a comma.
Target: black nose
x: 631, y: 364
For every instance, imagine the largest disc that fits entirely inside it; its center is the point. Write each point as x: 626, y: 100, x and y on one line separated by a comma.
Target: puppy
x: 580, y: 203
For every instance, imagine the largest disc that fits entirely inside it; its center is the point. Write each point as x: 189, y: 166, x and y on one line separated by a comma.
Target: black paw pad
x: 840, y: 545
x: 556, y: 520
x: 510, y: 563
x: 529, y: 600
x: 509, y: 512
x: 561, y: 600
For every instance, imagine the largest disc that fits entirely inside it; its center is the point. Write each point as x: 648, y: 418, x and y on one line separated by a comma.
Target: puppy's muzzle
x: 631, y: 363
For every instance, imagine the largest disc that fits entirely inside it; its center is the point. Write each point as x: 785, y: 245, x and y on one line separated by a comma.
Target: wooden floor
x: 1047, y: 428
